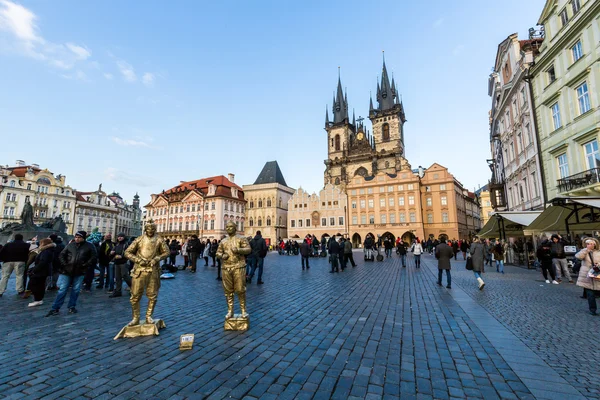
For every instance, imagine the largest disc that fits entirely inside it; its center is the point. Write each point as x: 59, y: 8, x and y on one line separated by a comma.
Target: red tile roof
x: 20, y: 171
x: 223, y: 185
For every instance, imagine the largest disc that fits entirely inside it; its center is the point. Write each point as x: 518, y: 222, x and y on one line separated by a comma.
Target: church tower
x: 339, y: 134
x: 388, y: 120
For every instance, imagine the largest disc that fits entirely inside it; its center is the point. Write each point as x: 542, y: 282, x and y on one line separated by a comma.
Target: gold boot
x: 135, y: 308
x: 229, y: 298
x: 150, y: 311
x: 242, y: 300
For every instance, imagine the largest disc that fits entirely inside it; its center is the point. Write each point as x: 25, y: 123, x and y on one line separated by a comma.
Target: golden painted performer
x: 231, y: 251
x: 146, y: 252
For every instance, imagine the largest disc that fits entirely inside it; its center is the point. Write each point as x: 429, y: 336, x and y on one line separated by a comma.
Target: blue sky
x: 141, y: 95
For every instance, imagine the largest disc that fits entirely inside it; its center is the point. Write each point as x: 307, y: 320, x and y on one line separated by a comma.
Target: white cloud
x: 438, y: 22
x: 132, y: 143
x: 148, y: 79
x: 20, y: 24
x: 108, y: 76
x: 127, y: 71
x: 78, y: 75
x: 117, y: 175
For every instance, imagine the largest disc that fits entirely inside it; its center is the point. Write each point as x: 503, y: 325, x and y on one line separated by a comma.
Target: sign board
x: 186, y: 341
x: 571, y: 249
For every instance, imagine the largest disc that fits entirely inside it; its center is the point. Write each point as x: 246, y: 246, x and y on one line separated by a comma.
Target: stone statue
x: 146, y: 252
x: 231, y: 251
x: 27, y: 214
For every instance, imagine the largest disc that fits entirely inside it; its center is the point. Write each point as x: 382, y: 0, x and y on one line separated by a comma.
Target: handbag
x: 594, y: 272
x: 469, y: 264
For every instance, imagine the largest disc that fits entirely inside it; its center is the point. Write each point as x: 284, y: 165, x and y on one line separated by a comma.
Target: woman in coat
x: 206, y: 253
x: 590, y: 258
x: 417, y: 250
x: 41, y: 269
x: 444, y: 254
x: 499, y: 257
x: 213, y: 252
x: 477, y: 251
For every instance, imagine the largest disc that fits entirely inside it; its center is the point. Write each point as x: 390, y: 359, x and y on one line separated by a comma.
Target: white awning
x: 513, y: 223
x: 575, y: 211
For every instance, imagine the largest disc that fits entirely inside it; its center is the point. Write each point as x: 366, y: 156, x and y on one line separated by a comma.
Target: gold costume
x: 231, y: 251
x: 146, y: 252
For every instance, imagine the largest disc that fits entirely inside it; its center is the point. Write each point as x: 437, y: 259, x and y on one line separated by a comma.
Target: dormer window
x: 234, y: 192
x: 212, y: 189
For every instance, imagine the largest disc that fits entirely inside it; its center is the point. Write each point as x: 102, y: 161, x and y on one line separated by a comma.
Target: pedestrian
x: 184, y: 253
x: 417, y: 250
x: 305, y: 253
x: 120, y: 265
x: 60, y: 246
x: 401, y: 250
x: 444, y: 254
x: 369, y: 243
x: 499, y: 256
x: 334, y: 251
x: 477, y: 252
x: 259, y: 252
x: 464, y: 246
x: 213, y: 252
x: 40, y: 270
x: 559, y: 258
x: 342, y: 260
x: 590, y: 262
x: 544, y: 255
x: 104, y: 256
x: 455, y: 248
x: 206, y: 252
x: 14, y: 258
x: 193, y: 251
x: 75, y: 260
x: 348, y: 253
x: 174, y: 248
x: 489, y: 249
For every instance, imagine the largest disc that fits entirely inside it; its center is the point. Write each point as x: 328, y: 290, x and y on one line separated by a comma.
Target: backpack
x: 262, y: 252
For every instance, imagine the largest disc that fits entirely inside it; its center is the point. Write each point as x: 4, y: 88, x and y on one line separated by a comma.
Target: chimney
x: 35, y: 166
x: 231, y: 177
x: 20, y: 163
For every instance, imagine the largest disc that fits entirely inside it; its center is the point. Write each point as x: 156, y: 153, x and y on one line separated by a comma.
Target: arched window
x: 12, y: 183
x: 280, y: 202
x: 280, y: 223
x: 259, y: 221
x: 268, y: 202
x: 251, y: 222
x: 259, y: 205
x: 337, y: 142
x: 385, y: 135
x: 268, y: 221
x: 251, y: 203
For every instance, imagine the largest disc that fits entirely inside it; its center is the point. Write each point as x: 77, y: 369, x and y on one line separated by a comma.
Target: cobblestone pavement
x: 374, y: 331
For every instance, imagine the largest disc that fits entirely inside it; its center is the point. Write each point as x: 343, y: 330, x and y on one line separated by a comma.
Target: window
x: 564, y: 17
x: 563, y: 165
x: 445, y: 217
x: 576, y: 51
x: 353, y: 203
x: 382, y: 189
x: 354, y: 220
x: 410, y: 186
x: 428, y: 188
x: 556, y: 115
x: 390, y: 188
x: 400, y: 187
x: 528, y: 135
x: 391, y: 202
x: 592, y: 156
x: 383, y: 218
x: 519, y: 143
x: 400, y: 201
x: 413, y: 217
x: 392, y: 218
x: 323, y: 221
x: 293, y: 222
x: 268, y: 202
x: 363, y: 204
x: 337, y: 142
x: 251, y: 204
x: 430, y: 218
x: 442, y: 187
x: 444, y: 200
x: 187, y: 225
x: 212, y: 205
x: 353, y: 192
x: 29, y: 187
x: 360, y: 191
x: 534, y: 184
x: 583, y: 98
x: 206, y: 225
x: 340, y: 220
x: 429, y: 202
x: 575, y: 5
x: 363, y: 219
x: 260, y: 221
x: 331, y: 221
x: 194, y: 208
x: 402, y: 217
x: 523, y: 98
x: 259, y: 203
x: 551, y: 74
x: 371, y: 219
x: 411, y: 200
x: 385, y: 135
x: 268, y: 221
x: 382, y: 202
x: 371, y: 203
x: 212, y: 224
x: 369, y: 190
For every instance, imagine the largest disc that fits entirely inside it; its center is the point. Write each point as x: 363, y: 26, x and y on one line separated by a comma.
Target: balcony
x: 582, y: 179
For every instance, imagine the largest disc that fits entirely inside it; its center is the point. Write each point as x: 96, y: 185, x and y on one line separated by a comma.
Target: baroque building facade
x: 49, y: 194
x: 129, y: 219
x: 95, y: 210
x: 320, y: 215
x: 267, y: 204
x: 517, y: 171
x: 202, y: 207
x: 566, y: 81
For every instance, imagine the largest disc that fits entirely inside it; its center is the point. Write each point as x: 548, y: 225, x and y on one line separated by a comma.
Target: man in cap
x: 120, y: 265
x: 75, y: 259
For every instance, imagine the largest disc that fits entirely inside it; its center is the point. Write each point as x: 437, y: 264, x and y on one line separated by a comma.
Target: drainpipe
x: 527, y: 78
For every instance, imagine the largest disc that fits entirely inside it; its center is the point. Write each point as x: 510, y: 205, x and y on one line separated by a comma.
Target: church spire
x: 385, y: 91
x: 326, y: 117
x: 340, y: 104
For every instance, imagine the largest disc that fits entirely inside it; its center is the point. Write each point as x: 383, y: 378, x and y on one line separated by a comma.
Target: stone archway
x: 391, y: 235
x: 408, y: 237
x: 356, y: 240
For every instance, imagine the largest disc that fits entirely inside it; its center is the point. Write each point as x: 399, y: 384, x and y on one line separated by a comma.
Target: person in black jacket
x: 75, y: 259
x: 104, y: 256
x: 544, y: 255
x: 305, y: 253
x: 60, y: 246
x: 259, y: 252
x: 14, y: 257
x: 334, y: 251
x: 120, y: 265
x: 193, y: 250
x: 40, y: 270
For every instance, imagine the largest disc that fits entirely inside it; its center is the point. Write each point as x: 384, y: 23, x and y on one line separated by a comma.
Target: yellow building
x: 566, y: 81
x: 319, y: 215
x: 486, y: 204
x: 410, y: 204
x: 267, y: 204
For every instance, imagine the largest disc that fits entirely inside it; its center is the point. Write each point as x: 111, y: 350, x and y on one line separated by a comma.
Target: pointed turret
x: 385, y: 95
x: 326, y: 117
x: 340, y: 104
x: 370, y: 103
x: 353, y: 118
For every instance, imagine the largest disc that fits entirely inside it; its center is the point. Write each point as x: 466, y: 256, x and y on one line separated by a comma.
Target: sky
x: 140, y: 95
